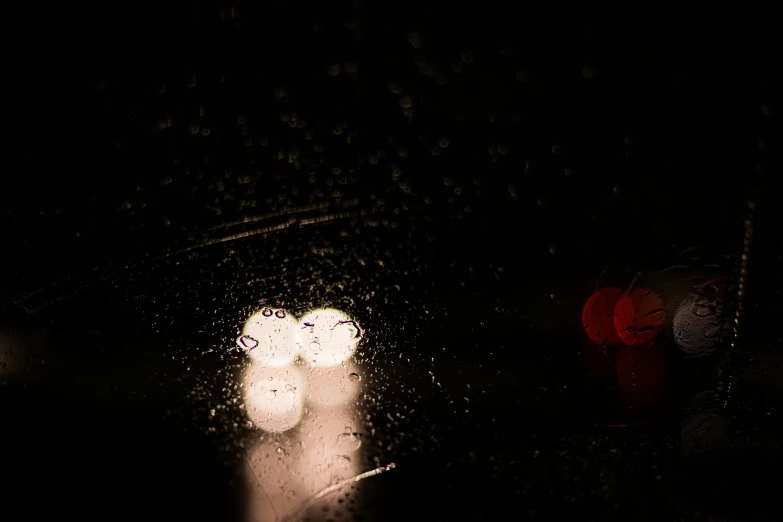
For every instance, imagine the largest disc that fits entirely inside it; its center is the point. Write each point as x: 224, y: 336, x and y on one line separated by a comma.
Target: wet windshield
x: 264, y: 264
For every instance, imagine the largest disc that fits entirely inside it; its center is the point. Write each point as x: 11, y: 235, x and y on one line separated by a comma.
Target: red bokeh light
x: 641, y: 375
x: 597, y: 316
x: 639, y: 317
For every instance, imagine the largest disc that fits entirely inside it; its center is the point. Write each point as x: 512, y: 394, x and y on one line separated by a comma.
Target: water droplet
x: 347, y: 329
x: 354, y: 377
x: 280, y: 314
x: 702, y: 310
x: 348, y: 442
x: 247, y: 343
x: 343, y: 461
x: 279, y: 450
x: 267, y: 312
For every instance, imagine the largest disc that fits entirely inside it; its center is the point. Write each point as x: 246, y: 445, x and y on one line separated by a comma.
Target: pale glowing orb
x: 268, y: 337
x: 327, y: 337
x: 696, y: 327
x: 274, y: 397
x: 333, y: 385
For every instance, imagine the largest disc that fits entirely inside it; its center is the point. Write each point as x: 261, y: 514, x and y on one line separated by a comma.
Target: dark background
x: 666, y: 130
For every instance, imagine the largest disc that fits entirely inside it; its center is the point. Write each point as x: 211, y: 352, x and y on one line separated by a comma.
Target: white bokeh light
x: 327, y: 337
x: 274, y: 397
x: 269, y: 338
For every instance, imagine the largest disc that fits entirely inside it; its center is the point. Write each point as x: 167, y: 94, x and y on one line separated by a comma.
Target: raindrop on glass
x: 343, y: 461
x: 247, y: 343
x: 347, y: 329
x: 348, y: 442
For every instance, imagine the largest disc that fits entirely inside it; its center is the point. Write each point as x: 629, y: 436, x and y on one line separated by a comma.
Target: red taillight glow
x: 597, y: 316
x: 639, y: 317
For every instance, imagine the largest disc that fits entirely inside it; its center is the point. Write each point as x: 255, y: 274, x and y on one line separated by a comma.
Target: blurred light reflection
x: 327, y: 459
x: 293, y: 471
x: 641, y: 377
x: 274, y: 397
x: 332, y: 386
x: 274, y: 493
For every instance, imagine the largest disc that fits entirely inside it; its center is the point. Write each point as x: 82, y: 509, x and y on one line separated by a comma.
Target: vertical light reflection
x: 331, y: 450
x: 274, y: 397
x: 332, y: 386
x: 275, y: 492
x: 311, y: 400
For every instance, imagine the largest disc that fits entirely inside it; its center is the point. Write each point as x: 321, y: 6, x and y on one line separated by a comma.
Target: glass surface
x: 263, y: 264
